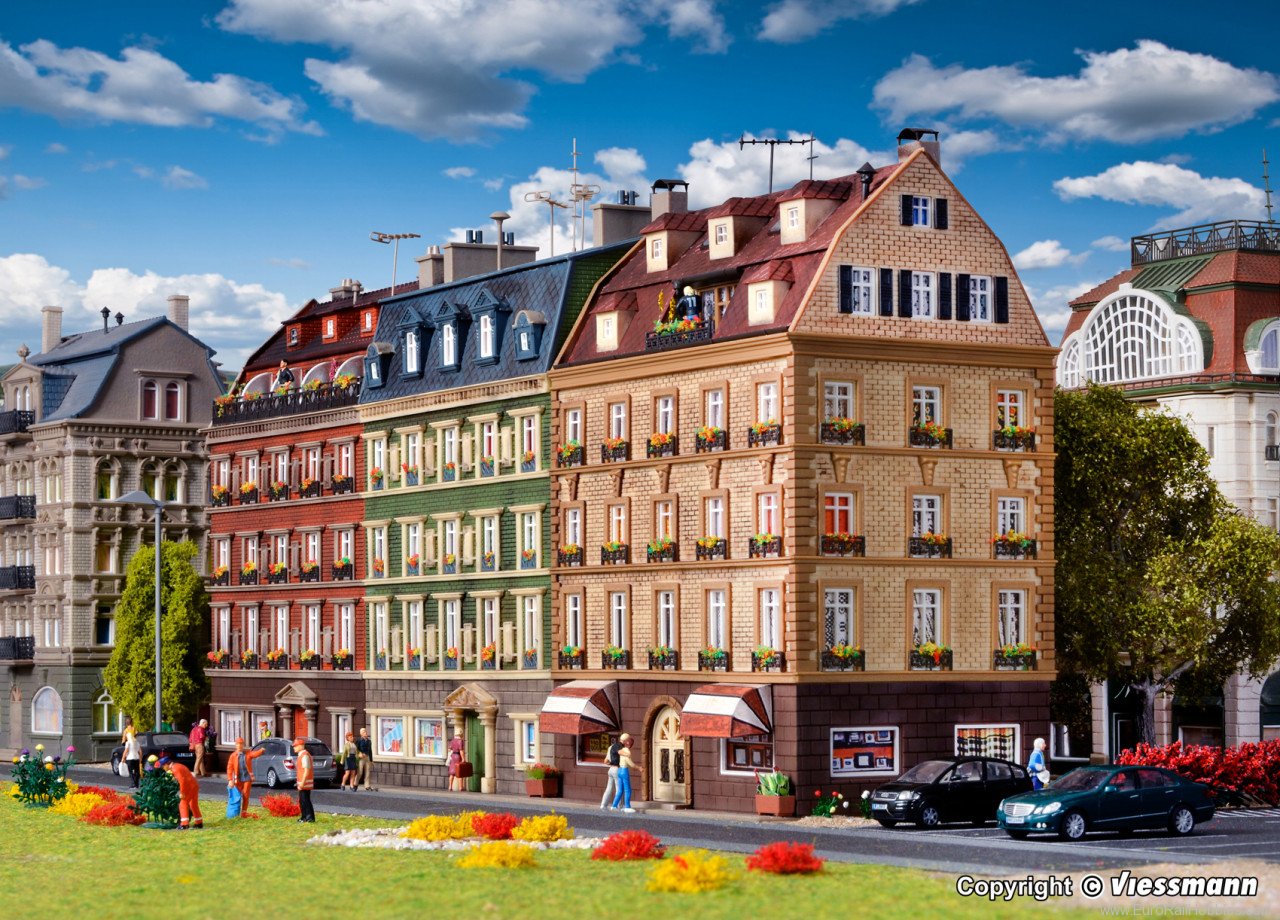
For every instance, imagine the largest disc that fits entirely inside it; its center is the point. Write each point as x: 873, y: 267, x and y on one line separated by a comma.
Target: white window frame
x: 841, y: 504
x: 1011, y: 616
x: 448, y: 345
x: 923, y: 285
x: 767, y: 403
x: 665, y: 606
x: 346, y: 618
x: 664, y: 415
x: 717, y: 618
x: 573, y: 526
x: 768, y: 513
x: 926, y: 514
x: 838, y: 399
x: 1011, y: 514
x: 573, y: 425
x: 714, y: 517
x: 412, y: 358
x: 713, y: 408
x: 921, y: 211
x: 980, y: 304
x: 1010, y: 408
x: 839, y: 615
x: 863, y: 296
x: 769, y: 620
x: 926, y: 404
x: 926, y: 616
x: 618, y: 524
x: 486, y: 335
x: 314, y: 631
x: 618, y: 420
x: 573, y: 626
x: 619, y: 620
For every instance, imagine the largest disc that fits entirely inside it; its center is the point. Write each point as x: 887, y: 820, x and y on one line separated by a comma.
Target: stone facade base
x: 315, y: 702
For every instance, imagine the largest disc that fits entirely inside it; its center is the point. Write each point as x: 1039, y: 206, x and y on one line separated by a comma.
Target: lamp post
x: 138, y: 497
x: 395, y: 252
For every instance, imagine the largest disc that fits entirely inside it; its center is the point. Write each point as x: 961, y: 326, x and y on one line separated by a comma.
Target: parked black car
x: 957, y: 789
x: 175, y: 744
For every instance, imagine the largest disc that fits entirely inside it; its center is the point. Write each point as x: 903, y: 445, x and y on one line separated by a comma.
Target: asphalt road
x: 955, y: 848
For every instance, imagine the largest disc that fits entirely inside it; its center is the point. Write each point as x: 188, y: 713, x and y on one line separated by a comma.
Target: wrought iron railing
x: 17, y: 648
x: 18, y: 578
x: 1216, y: 237
x: 660, y: 341
x: 17, y: 506
x: 16, y: 420
x: 295, y: 402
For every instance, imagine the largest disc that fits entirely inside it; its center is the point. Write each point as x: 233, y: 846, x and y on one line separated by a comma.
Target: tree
x: 130, y: 675
x: 1158, y: 576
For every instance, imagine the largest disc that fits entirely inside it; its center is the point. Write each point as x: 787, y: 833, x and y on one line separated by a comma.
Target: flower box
x: 528, y: 466
x: 678, y: 334
x: 249, y: 662
x: 377, y: 485
x: 613, y: 661
x: 489, y: 665
x: 415, y: 663
x: 663, y: 552
x: 1013, y: 438
x: 486, y: 468
x: 927, y: 661
x: 530, y: 659
x: 547, y: 788
x: 278, y: 664
x: 929, y: 435
x: 343, y: 572
x: 768, y: 661
x: 449, y: 568
x: 310, y: 664
x: 780, y: 806
x: 310, y: 489
x: 1004, y: 660
x: 929, y: 547
x: 1014, y: 548
x: 764, y: 434
x: 571, y: 662
x: 569, y: 556
x: 342, y: 485
x: 664, y: 661
x: 279, y: 492
x: 713, y: 660
x: 488, y: 561
x: 344, y: 664
x: 449, y: 473
x: 842, y: 544
x: 842, y: 431
x: 380, y: 662
x: 222, y: 500
x: 249, y: 496
x: 450, y: 662
x: 410, y: 569
x: 221, y: 579
x: 768, y: 546
x: 711, y: 548
x: 528, y: 560
x: 834, y: 662
x: 615, y: 452
x: 312, y: 574
x: 710, y: 440
x: 569, y: 455
x: 219, y: 661
x: 616, y: 555
x: 662, y: 445
x: 249, y: 578
x: 278, y: 578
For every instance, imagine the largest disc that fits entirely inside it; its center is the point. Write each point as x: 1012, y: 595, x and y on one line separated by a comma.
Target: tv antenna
x: 773, y: 142
x: 552, y: 204
x: 1266, y: 184
x: 581, y: 194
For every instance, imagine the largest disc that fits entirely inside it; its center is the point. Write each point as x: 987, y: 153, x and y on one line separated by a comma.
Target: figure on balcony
x: 689, y: 306
x: 284, y: 376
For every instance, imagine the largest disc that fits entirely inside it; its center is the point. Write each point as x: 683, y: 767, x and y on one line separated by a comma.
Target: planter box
x: 609, y: 663
x: 490, y: 665
x: 777, y: 663
x: 764, y: 549
x: 569, y: 559
x: 543, y: 788
x: 828, y: 433
x: 719, y: 550
x: 712, y: 444
x: 486, y: 469
x: 1006, y: 549
x: 313, y: 575
x: 449, y: 568
x: 661, y: 341
x: 837, y: 546
x: 451, y: 664
x: 712, y: 663
x: 668, y: 554
x: 410, y: 570
x: 670, y: 449
x: 918, y: 437
x: 667, y: 662
x: 766, y: 437
x: 343, y: 572
x: 530, y: 466
x: 490, y: 565
x: 570, y: 662
x: 415, y: 663
x: 310, y: 664
x: 530, y: 660
x: 221, y: 581
x: 575, y: 457
x: 379, y: 662
x: 279, y: 495
x: 222, y: 502
x: 1002, y: 662
x: 831, y: 662
x: 223, y: 665
x: 278, y: 664
x: 528, y: 563
x: 311, y: 491
x: 920, y: 662
x: 250, y: 578
x: 615, y: 454
x: 782, y: 806
x: 448, y: 475
x: 344, y: 664
x: 1002, y: 441
x: 920, y: 548
x: 249, y: 498
x: 342, y: 487
x: 277, y: 578
x: 615, y: 556
x: 410, y: 479
x: 249, y: 665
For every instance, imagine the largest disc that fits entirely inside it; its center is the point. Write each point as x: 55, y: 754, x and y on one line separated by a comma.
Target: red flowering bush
x: 1252, y: 768
x: 281, y: 806
x: 783, y: 858
x: 116, y: 812
x: 627, y: 845
x: 104, y: 792
x: 495, y: 826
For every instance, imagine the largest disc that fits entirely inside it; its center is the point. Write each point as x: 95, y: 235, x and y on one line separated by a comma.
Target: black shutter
x: 904, y: 292
x: 962, y: 298
x: 906, y: 210
x: 846, y: 288
x: 886, y: 292
x: 944, y: 295
x: 1002, y: 299
x: 940, y: 213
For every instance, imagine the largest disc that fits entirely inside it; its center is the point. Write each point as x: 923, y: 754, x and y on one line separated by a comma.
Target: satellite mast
x: 581, y: 194
x: 1266, y: 184
x: 774, y: 142
x: 552, y: 204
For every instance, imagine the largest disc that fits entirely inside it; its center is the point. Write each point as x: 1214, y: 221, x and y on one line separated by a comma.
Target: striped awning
x: 581, y: 707
x: 728, y: 711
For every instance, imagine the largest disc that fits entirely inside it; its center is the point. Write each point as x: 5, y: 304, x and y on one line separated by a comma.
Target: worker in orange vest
x: 306, y: 781
x: 240, y: 772
x: 188, y: 794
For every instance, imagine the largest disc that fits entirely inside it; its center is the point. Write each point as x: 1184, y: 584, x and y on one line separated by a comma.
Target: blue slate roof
x: 538, y: 291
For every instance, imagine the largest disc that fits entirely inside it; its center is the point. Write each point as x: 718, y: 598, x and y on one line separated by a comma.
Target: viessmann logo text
x: 1125, y: 884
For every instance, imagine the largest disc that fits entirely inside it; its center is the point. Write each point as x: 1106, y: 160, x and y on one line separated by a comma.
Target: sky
x: 241, y: 151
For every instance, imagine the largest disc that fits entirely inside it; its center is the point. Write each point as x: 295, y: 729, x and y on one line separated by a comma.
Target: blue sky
x: 240, y: 151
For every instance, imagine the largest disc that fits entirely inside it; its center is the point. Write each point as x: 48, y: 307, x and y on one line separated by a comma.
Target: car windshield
x: 166, y: 739
x: 1079, y: 781
x: 925, y: 772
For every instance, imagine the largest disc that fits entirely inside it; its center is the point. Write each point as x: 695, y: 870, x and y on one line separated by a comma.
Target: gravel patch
x: 388, y: 838
x: 838, y: 822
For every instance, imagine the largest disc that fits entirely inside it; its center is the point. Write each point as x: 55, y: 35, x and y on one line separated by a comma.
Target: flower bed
x: 281, y: 806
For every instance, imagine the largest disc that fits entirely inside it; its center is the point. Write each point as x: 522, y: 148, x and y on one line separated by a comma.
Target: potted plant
x: 451, y: 658
x: 774, y: 795
x: 542, y: 781
x: 221, y: 496
x: 410, y: 474
x: 414, y: 655
x: 249, y: 660
x: 379, y: 568
x: 376, y: 476
x: 449, y: 472
x: 219, y: 658
x: 528, y: 559
x: 309, y: 660
x: 570, y: 453
x: 342, y: 660
x: 411, y: 564
x: 489, y: 657
x: 528, y: 461
x: 486, y: 465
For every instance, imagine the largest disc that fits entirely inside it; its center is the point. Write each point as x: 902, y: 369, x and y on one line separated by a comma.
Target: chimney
x: 498, y: 217
x: 669, y: 196
x: 612, y: 222
x: 430, y: 268
x: 912, y: 139
x: 179, y: 310
x: 867, y: 173
x: 51, y: 328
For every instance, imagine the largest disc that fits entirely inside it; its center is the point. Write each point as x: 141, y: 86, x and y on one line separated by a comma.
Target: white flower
x: 844, y: 804
x: 866, y: 793
x: 48, y: 760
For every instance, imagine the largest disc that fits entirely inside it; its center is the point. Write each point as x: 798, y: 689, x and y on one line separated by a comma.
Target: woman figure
x: 349, y: 762
x: 625, y: 763
x: 455, y: 761
x: 1037, y: 766
x: 132, y: 752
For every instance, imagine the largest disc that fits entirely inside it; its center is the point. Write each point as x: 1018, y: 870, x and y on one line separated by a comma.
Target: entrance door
x: 15, y: 718
x: 668, y: 769
x: 475, y: 750
x: 299, y: 722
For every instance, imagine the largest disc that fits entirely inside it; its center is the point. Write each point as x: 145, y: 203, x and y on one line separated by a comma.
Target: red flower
x: 628, y: 845
x: 783, y: 858
x: 495, y: 826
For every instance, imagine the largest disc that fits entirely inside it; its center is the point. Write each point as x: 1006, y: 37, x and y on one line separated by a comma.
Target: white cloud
x: 1129, y: 95
x: 441, y: 68
x: 1051, y: 305
x: 231, y: 316
x: 139, y: 87
x: 1110, y: 244
x: 289, y: 263
x: 494, y: 184
x: 459, y: 172
x: 1198, y: 199
x: 28, y: 182
x: 798, y: 20
x: 55, y: 147
x: 1046, y: 254
x: 178, y: 178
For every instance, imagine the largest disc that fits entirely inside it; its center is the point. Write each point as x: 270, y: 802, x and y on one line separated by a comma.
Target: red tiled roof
x: 1106, y: 288
x: 818, y: 188
x: 691, y: 221
x: 761, y: 206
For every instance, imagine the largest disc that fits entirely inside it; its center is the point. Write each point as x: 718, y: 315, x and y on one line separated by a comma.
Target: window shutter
x: 944, y: 295
x: 846, y: 288
x: 906, y: 210
x: 886, y: 292
x: 962, y: 298
x: 1002, y: 299
x: 904, y: 292
x: 940, y: 213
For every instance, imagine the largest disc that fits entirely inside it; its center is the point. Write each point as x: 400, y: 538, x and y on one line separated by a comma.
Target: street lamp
x: 138, y: 497
x: 395, y: 253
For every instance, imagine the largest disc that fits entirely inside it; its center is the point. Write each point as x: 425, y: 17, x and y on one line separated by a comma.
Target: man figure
x: 240, y: 772
x: 196, y: 739
x: 364, y: 760
x: 611, y: 784
x: 306, y: 781
x: 188, y: 794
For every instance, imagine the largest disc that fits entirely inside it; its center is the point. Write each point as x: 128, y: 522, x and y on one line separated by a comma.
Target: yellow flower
x: 690, y: 872
x: 543, y: 829
x: 500, y: 854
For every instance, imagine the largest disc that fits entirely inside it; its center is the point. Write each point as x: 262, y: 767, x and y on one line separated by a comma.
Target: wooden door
x: 668, y: 768
x: 299, y: 722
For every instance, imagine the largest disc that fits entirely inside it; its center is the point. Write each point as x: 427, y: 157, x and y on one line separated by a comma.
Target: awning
x: 728, y: 711
x: 581, y: 707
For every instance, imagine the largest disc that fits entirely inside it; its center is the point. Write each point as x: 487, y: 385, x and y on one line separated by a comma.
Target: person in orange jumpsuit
x: 188, y: 794
x: 240, y: 772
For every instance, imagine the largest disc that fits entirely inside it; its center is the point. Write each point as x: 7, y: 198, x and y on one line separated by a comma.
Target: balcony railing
x: 18, y: 578
x: 616, y: 662
x: 16, y: 420
x: 17, y: 648
x: 571, y: 662
x: 1013, y: 661
x: 659, y: 341
x: 619, y: 556
x: 1004, y: 439
x: 923, y: 548
x: 1015, y: 549
x: 833, y: 662
x: 295, y: 402
x: 713, y: 661
x: 769, y: 548
x: 708, y: 548
x: 711, y: 441
x: 832, y: 544
x: 772, y: 661
x: 923, y: 662
x: 843, y: 433
x: 17, y: 506
x: 569, y: 557
x: 1216, y: 237
x: 664, y: 661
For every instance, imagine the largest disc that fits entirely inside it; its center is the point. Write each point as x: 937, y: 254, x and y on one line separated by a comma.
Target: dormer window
x: 412, y: 358
x: 486, y: 336
x: 523, y: 343
x: 295, y: 335
x: 721, y: 234
x: 330, y: 328
x: 368, y: 320
x: 448, y: 346
x: 376, y: 360
x: 760, y: 303
x: 528, y: 327
x: 150, y: 401
x: 655, y: 248
x: 793, y: 217
x: 606, y: 331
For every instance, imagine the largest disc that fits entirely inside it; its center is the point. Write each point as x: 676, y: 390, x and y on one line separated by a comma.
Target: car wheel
x: 929, y: 816
x: 1182, y: 821
x: 1016, y: 835
x: 1073, y: 826
x: 887, y: 822
x: 273, y: 781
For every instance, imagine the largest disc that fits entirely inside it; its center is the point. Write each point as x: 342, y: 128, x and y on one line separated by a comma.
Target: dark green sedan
x: 1108, y: 798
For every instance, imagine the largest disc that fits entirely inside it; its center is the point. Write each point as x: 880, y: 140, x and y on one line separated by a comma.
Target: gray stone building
x: 91, y: 417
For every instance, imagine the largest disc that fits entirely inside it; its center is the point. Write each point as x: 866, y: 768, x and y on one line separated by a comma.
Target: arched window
x: 150, y: 408
x: 46, y: 712
x: 1271, y: 350
x: 1133, y: 335
x: 107, y: 719
x: 1069, y: 364
x: 173, y: 400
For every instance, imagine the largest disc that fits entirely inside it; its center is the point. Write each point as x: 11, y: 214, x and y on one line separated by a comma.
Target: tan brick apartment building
x: 791, y: 430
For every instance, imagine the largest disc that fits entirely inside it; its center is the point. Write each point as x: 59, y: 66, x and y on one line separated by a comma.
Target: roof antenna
x: 773, y: 142
x: 812, y: 156
x: 1266, y: 184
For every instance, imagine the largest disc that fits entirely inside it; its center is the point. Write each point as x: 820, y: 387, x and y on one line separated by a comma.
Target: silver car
x: 276, y: 766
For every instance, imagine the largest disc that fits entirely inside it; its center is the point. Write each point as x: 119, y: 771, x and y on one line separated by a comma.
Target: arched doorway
x: 668, y: 766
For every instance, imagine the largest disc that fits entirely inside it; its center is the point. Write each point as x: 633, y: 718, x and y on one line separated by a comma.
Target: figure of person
x: 689, y: 306
x: 349, y: 759
x: 623, y: 796
x: 1037, y: 765
x: 284, y: 376
x: 455, y: 761
x: 333, y: 369
x: 188, y: 794
x: 364, y: 761
x: 306, y: 781
x: 132, y: 753
x: 240, y: 772
x: 196, y: 743
x: 611, y: 784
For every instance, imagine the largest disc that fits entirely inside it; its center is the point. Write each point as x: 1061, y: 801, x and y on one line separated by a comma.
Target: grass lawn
x: 55, y: 865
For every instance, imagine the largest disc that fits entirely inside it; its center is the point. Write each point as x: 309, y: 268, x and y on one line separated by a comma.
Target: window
x: 488, y: 620
x: 713, y: 514
x: 330, y: 328
x: 528, y: 729
x: 46, y: 712
x: 921, y: 208
x: 344, y: 455
x: 664, y: 415
x: 1134, y: 335
x: 619, y: 627
x: 769, y: 606
x: 926, y: 405
x: 1011, y: 615
x: 343, y: 544
x: 489, y: 541
x: 377, y: 459
x: 573, y: 527
x: 449, y: 542
x: 768, y: 519
x: 52, y: 633
x: 1210, y: 447
x: 381, y: 628
x: 531, y: 620
x: 452, y: 624
x: 838, y: 626
x: 486, y: 335
x: 1009, y: 408
x: 666, y: 613
x: 618, y: 420
x: 767, y: 403
x: 529, y: 438
x: 747, y: 754
x: 573, y: 620
x: 618, y: 523
x: 1272, y: 424
x: 377, y: 548
x: 529, y: 536
x: 761, y: 303
x: 173, y: 401
x: 251, y: 471
x: 251, y: 638
x: 839, y: 516
x: 980, y: 299
x: 655, y: 248
x: 989, y: 741
x: 857, y: 290
x: 103, y: 556
x: 282, y: 627
x: 1011, y: 515
x: 428, y: 738
x: 525, y: 343
x: 311, y: 463
x: 104, y: 629
x: 223, y: 615
x: 448, y: 345
x: 313, y: 627
x: 249, y: 551
x: 448, y: 447
x: 926, y: 616
x: 280, y: 549
x: 922, y: 294
x: 793, y: 217
x: 230, y: 727
x: 150, y: 408
x: 713, y: 415
x: 722, y: 233
x: 573, y: 425
x: 926, y: 514
x: 663, y: 519
x: 411, y: 356
x: 293, y: 336
x: 837, y: 399
x: 390, y: 736
x: 366, y: 320
x: 346, y: 626
x: 717, y: 619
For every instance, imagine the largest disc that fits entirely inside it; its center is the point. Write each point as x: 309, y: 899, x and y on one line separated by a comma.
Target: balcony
x: 17, y: 648
x: 764, y: 434
x: 709, y: 548
x: 1012, y: 546
x: 1021, y: 439
x: 929, y: 435
x: 1205, y: 238
x: 713, y: 659
x: 615, y: 554
x: 296, y: 402
x: 710, y: 440
x: 931, y: 546
x: 764, y: 546
x: 1013, y: 658
x: 678, y: 337
x: 842, y: 431
x: 664, y: 659
x: 767, y: 659
x: 842, y: 544
x: 16, y: 421
x: 615, y: 659
x: 18, y: 578
x: 13, y: 507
